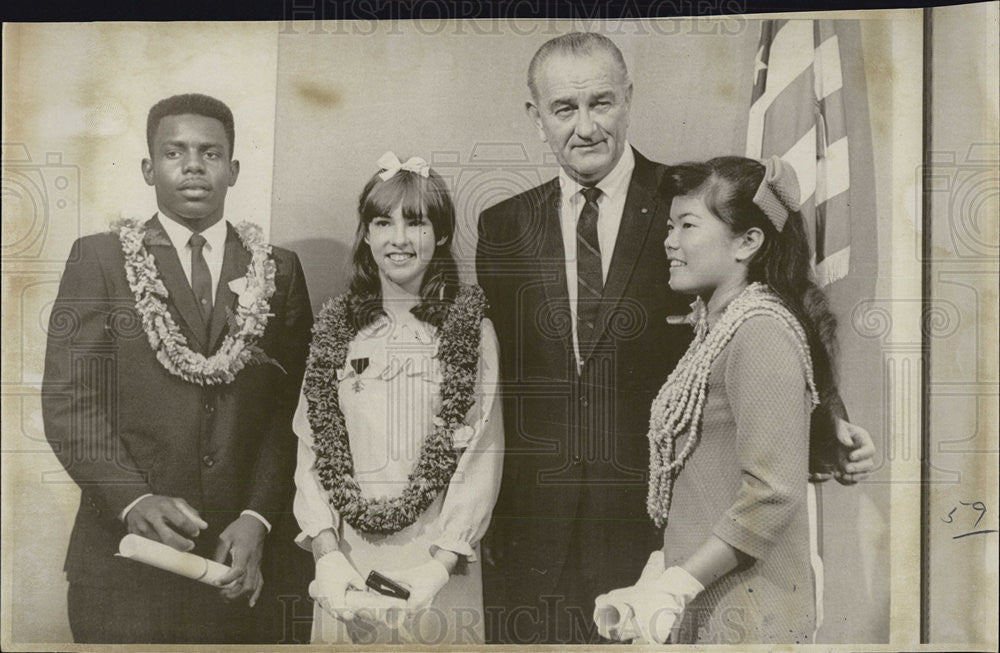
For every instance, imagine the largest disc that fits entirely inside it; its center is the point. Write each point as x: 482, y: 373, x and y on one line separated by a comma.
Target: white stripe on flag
x: 827, y: 67
x: 792, y: 52
x: 802, y: 157
x: 834, y: 266
x: 834, y: 171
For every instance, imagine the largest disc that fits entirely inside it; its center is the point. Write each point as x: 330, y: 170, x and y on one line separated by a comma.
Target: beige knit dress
x: 746, y: 483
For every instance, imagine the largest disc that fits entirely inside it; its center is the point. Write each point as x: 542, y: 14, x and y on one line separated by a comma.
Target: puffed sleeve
x: 474, y: 487
x: 312, y: 509
x: 766, y: 386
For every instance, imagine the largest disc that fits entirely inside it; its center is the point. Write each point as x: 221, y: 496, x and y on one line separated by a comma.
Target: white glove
x: 649, y: 609
x: 371, y: 607
x: 659, y: 606
x: 613, y: 608
x: 334, y: 576
x: 424, y: 582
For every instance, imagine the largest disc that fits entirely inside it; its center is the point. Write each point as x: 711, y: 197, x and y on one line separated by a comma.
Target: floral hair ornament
x: 389, y: 164
x: 778, y: 193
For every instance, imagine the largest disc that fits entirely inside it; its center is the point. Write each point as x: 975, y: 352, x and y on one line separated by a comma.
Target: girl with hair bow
x: 729, y: 431
x: 399, y: 427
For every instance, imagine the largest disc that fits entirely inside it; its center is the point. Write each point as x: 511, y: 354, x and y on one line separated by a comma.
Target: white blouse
x: 389, y: 391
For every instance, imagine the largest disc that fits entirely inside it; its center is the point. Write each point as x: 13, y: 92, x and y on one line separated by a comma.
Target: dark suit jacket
x: 123, y: 426
x: 576, y: 462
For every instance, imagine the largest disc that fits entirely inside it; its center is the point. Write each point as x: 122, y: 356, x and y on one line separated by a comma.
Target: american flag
x: 797, y: 113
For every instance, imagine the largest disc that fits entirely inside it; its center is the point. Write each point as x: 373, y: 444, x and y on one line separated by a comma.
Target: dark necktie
x: 201, y: 278
x: 589, y: 278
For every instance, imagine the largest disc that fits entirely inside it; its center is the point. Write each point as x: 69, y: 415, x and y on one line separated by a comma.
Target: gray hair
x: 578, y: 44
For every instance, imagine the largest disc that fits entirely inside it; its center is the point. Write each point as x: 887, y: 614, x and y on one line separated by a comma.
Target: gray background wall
x: 965, y: 237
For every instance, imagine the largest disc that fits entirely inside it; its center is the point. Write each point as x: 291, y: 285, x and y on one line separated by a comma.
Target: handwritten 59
x: 975, y: 506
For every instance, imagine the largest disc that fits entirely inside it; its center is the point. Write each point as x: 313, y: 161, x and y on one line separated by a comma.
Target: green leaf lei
x: 458, y: 350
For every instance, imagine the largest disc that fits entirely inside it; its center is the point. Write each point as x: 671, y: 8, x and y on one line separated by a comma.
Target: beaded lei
x: 678, y: 408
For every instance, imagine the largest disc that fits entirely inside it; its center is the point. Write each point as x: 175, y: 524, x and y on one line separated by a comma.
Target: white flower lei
x: 247, y: 323
x: 678, y: 408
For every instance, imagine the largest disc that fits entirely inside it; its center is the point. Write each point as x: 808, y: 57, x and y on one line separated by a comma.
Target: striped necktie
x: 589, y: 277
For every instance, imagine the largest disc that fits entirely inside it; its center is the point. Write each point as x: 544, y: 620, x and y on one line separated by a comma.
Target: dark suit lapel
x: 172, y: 274
x: 642, y: 204
x: 553, y: 257
x: 234, y: 266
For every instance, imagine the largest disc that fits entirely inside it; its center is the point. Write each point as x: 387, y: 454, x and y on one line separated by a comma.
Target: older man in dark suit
x: 576, y: 277
x: 175, y: 354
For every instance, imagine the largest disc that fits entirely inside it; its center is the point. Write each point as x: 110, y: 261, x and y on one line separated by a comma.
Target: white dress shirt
x: 213, y: 251
x: 611, y: 205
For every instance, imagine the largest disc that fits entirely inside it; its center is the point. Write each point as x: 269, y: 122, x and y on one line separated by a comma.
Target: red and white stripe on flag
x: 797, y: 113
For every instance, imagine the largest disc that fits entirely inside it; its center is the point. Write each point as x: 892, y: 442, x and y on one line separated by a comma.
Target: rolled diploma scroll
x: 161, y: 556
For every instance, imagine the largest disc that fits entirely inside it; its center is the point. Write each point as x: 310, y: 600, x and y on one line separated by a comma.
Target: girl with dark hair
x: 729, y: 430
x: 400, y: 433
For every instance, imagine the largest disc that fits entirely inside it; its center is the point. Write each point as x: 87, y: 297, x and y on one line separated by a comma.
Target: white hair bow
x: 389, y: 164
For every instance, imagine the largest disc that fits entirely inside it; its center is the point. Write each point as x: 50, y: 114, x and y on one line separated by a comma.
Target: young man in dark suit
x: 170, y: 432
x: 576, y: 277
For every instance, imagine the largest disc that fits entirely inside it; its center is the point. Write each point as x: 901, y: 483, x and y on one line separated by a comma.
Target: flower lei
x: 247, y: 323
x: 678, y: 408
x: 458, y: 349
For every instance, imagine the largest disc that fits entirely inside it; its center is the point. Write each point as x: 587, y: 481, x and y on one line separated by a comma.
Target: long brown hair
x: 419, y: 197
